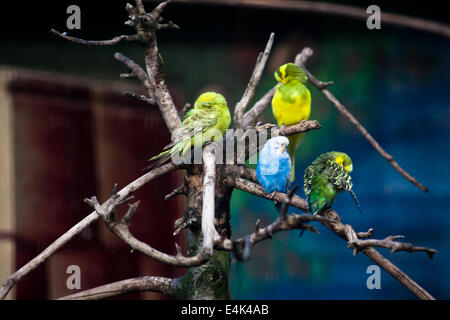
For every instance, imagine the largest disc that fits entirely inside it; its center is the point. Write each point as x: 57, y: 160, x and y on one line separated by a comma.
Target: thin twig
x: 110, y: 42
x: 181, y: 189
x: 140, y: 97
x: 389, y: 243
x: 300, y: 60
x: 183, y: 110
x: 241, y: 106
x: 136, y: 70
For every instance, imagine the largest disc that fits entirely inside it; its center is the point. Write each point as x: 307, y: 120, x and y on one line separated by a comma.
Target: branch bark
x: 110, y: 42
x: 154, y: 284
x: 136, y: 71
x: 208, y: 209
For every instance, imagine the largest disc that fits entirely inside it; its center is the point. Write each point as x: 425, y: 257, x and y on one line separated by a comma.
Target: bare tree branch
x: 300, y: 60
x: 121, y: 229
x: 136, y: 70
x: 115, y: 40
x: 241, y: 106
x: 258, y: 108
x: 153, y: 63
x: 282, y: 223
x: 208, y: 210
x: 146, y: 25
x: 155, y: 284
x: 240, y: 177
x: 337, y: 9
x: 388, y: 243
x: 140, y: 97
x: 183, y: 110
x: 181, y: 189
x: 80, y: 226
x: 346, y: 231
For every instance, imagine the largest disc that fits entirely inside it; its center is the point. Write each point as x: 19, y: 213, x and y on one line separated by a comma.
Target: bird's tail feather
x: 278, y: 205
x: 164, y: 156
x: 294, y: 142
x: 356, y: 200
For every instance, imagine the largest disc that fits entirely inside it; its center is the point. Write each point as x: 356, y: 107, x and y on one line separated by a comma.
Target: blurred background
x: 67, y: 132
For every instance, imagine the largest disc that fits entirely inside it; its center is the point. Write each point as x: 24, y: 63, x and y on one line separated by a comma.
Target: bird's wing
x: 196, y: 121
x: 337, y: 175
x: 322, y: 193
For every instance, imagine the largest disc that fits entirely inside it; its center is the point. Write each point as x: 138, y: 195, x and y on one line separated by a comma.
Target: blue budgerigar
x: 274, y: 166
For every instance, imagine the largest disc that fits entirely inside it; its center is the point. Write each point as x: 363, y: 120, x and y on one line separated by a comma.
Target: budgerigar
x: 207, y: 121
x: 273, y: 170
x: 291, y: 103
x: 327, y: 176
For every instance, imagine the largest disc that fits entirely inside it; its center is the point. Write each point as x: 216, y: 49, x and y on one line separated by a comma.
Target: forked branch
x: 121, y: 229
x: 333, y: 222
x: 242, y: 105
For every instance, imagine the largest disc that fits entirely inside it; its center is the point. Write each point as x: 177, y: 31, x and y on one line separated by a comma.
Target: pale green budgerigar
x: 207, y: 121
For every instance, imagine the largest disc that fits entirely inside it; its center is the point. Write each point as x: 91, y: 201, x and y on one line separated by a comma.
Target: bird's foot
x: 282, y: 130
x: 272, y: 194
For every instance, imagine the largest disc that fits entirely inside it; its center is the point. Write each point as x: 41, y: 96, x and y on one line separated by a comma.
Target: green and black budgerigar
x: 325, y: 178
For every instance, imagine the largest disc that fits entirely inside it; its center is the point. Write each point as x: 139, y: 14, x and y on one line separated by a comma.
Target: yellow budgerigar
x: 207, y: 121
x: 291, y: 103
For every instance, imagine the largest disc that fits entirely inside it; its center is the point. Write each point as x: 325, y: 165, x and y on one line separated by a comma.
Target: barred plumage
x: 328, y: 175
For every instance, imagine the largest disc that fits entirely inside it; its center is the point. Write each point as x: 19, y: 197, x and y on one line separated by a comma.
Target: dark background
x: 394, y: 80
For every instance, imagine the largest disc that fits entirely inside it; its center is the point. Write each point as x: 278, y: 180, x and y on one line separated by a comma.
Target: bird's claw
x: 272, y: 194
x: 282, y: 130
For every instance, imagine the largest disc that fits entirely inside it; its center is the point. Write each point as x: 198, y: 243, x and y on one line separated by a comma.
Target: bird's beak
x: 349, y: 168
x: 283, y: 148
